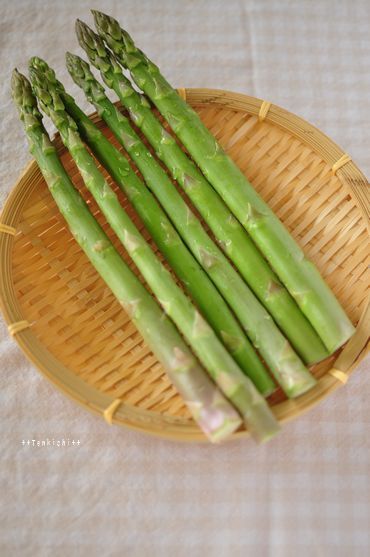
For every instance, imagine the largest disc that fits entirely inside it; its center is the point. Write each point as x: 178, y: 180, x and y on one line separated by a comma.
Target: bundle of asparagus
x: 200, y: 336
x: 189, y: 271
x: 289, y: 316
x: 232, y: 237
x: 210, y: 409
x: 297, y: 273
x: 284, y: 363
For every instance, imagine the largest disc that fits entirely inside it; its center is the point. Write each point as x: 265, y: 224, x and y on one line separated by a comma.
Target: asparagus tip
x: 15, y: 82
x: 15, y: 74
x: 33, y: 61
x: 70, y: 61
x: 98, y: 14
x: 106, y: 24
x: 74, y: 58
x: 79, y: 27
x: 85, y: 35
x: 22, y: 94
x: 78, y: 69
x: 34, y: 74
x: 18, y: 83
x: 38, y: 64
x: 102, y: 19
x: 70, y: 58
x: 82, y: 26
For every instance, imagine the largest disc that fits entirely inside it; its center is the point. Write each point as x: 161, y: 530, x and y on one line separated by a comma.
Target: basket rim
x: 150, y: 421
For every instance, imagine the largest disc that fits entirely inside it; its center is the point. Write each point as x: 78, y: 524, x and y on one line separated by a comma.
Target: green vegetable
x: 213, y: 413
x: 284, y: 363
x: 201, y: 337
x: 195, y: 280
x: 297, y: 273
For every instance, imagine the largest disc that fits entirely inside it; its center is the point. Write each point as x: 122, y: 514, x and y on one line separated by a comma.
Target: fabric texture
x: 307, y: 492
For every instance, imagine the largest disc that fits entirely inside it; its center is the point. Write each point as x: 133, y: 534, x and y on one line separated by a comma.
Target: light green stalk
x: 284, y: 363
x: 195, y: 280
x: 200, y: 336
x: 297, y: 273
x: 216, y: 417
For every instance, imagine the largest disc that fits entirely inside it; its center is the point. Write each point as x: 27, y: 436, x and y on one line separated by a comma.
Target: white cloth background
x: 307, y: 493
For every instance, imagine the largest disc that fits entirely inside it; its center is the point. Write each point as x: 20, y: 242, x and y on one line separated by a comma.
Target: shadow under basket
x: 69, y: 324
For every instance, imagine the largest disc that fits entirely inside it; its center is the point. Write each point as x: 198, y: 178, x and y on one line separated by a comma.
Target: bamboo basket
x: 68, y: 323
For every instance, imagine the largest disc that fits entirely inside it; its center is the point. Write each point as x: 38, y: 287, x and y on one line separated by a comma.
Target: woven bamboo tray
x: 68, y: 323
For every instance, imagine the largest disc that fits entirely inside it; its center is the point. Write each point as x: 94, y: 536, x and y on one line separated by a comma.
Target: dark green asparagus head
x: 107, y: 25
x: 120, y: 42
x: 116, y: 38
x: 38, y: 64
x: 96, y: 50
x: 45, y: 91
x: 81, y: 74
x: 25, y: 100
x: 48, y: 95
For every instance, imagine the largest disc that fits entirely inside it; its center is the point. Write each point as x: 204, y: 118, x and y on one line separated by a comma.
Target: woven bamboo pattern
x: 69, y: 324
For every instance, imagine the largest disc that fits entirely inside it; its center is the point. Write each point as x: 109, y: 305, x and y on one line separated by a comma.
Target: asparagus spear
x: 284, y: 363
x: 213, y: 413
x: 201, y: 337
x: 297, y: 273
x: 195, y: 280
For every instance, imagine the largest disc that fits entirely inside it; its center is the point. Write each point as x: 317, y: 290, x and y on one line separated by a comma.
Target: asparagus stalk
x: 195, y: 280
x: 201, y: 337
x: 213, y: 413
x: 297, y: 273
x: 284, y: 363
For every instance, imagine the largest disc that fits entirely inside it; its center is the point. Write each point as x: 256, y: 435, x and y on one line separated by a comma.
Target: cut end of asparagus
x: 222, y: 433
x: 218, y: 419
x: 262, y: 415
x: 346, y: 331
x: 300, y: 388
x: 257, y: 414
